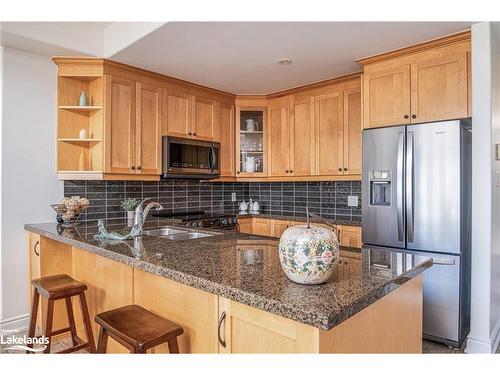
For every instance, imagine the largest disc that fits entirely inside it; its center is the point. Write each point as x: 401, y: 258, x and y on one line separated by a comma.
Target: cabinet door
x: 262, y: 227
x: 176, y: 114
x: 439, y: 88
x: 120, y: 125
x: 386, y: 97
x: 34, y: 270
x: 227, y: 140
x: 246, y: 225
x: 329, y: 110
x: 302, y: 137
x: 350, y: 236
x: 245, y: 329
x: 279, y: 137
x: 206, y: 119
x: 278, y: 227
x: 352, y: 131
x: 148, y: 123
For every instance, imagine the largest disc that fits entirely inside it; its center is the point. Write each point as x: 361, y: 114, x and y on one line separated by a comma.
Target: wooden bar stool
x: 54, y: 288
x: 137, y: 329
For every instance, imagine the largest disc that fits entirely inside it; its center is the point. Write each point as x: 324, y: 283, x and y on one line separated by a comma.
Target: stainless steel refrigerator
x: 416, y: 198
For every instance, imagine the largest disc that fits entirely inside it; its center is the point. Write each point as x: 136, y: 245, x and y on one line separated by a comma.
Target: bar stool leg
x: 34, y: 313
x: 102, y: 342
x: 173, y: 348
x: 48, y: 324
x: 86, y: 322
x: 71, y: 320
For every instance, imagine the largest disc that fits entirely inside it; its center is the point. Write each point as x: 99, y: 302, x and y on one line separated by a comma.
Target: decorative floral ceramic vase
x: 308, y: 253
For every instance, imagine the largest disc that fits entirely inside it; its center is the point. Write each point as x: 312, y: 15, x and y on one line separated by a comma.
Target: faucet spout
x: 141, y: 214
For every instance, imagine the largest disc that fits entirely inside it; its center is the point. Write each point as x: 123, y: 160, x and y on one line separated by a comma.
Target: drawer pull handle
x: 221, y: 319
x: 37, y: 243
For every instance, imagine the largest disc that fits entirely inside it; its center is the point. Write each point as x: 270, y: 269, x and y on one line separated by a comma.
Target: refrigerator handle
x: 399, y: 187
x: 409, y: 186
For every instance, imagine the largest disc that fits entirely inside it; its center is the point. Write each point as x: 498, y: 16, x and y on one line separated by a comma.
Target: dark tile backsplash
x: 326, y: 198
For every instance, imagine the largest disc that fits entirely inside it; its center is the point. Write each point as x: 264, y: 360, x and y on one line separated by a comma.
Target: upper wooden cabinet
x: 120, y: 126
x: 423, y: 83
x: 227, y: 141
x: 127, y: 113
x: 176, y: 114
x: 439, y: 88
x: 387, y: 96
x: 352, y: 131
x: 148, y: 129
x: 133, y: 113
x: 302, y: 139
x: 329, y: 117
x: 189, y: 116
x: 279, y: 136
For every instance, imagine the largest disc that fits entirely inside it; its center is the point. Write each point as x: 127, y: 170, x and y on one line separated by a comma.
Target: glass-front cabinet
x: 251, y: 142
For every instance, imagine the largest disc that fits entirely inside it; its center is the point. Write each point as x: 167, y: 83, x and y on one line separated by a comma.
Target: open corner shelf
x: 79, y: 140
x: 81, y: 109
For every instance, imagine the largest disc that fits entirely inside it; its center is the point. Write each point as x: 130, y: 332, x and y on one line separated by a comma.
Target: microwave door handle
x: 213, y: 158
x: 210, y: 158
x: 399, y: 187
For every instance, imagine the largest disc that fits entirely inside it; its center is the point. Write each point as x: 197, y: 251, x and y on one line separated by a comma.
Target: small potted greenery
x: 129, y: 205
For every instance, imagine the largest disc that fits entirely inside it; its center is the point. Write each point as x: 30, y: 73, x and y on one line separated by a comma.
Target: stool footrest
x: 62, y: 330
x: 74, y: 348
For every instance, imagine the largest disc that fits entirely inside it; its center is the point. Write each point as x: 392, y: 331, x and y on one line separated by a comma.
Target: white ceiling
x: 240, y: 57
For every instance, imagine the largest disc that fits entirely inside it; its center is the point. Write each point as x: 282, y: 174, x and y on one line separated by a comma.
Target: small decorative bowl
x: 66, y: 216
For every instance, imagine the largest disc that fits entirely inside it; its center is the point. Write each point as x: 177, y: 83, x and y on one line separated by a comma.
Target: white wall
x: 29, y: 181
x: 485, y: 275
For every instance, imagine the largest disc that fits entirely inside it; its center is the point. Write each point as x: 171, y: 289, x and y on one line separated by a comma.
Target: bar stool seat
x: 137, y: 329
x: 54, y: 288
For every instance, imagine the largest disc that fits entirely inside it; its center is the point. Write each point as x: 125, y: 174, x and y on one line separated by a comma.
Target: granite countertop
x: 268, y: 215
x: 246, y: 269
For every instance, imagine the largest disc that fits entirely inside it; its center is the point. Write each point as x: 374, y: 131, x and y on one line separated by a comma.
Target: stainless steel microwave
x: 189, y: 158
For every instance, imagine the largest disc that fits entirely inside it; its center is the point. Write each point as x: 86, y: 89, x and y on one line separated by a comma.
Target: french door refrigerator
x: 416, y: 199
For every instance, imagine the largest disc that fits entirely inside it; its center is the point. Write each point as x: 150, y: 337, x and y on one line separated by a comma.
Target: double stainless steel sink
x: 176, y: 234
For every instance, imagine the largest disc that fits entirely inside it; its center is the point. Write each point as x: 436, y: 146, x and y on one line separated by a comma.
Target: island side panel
x: 110, y: 285
x: 393, y: 324
x: 194, y: 310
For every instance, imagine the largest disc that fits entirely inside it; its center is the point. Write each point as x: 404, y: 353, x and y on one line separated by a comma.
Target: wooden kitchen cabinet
x: 206, y: 119
x: 251, y: 140
x: 262, y: 227
x: 278, y: 227
x: 302, y: 136
x: 120, y: 101
x: 176, y: 114
x: 245, y: 329
x: 439, y: 88
x: 352, y: 131
x: 227, y: 141
x: 279, y: 137
x: 387, y: 96
x: 329, y: 112
x: 349, y: 236
x: 422, y: 83
x: 245, y: 225
x: 148, y: 129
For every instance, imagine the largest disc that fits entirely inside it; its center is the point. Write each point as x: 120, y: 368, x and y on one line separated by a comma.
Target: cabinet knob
x: 194, y: 133
x: 139, y: 167
x: 291, y: 171
x: 340, y: 169
x: 133, y: 167
x: 287, y: 171
x: 190, y: 133
x: 237, y: 172
x: 413, y: 116
x: 406, y: 116
x: 345, y: 169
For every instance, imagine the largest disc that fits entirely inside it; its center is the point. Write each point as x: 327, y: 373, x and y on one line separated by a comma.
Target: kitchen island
x: 230, y: 295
